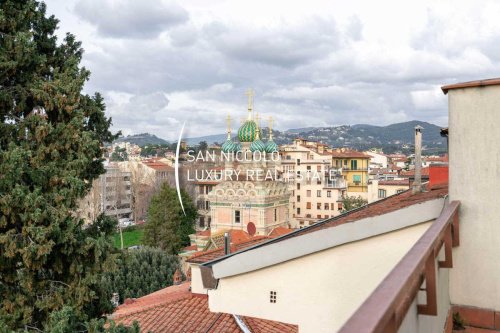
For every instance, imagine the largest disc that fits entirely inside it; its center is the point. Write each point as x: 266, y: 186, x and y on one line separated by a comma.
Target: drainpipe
x: 417, y: 183
x: 227, y: 243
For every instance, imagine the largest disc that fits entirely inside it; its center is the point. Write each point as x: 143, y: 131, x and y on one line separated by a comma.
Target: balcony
x: 396, y: 297
x: 335, y: 183
x: 346, y: 168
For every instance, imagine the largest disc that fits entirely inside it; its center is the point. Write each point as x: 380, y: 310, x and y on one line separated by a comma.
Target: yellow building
x: 354, y: 167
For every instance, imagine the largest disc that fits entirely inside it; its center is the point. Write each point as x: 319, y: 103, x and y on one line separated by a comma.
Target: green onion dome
x: 228, y: 146
x: 271, y: 147
x: 258, y: 145
x: 247, y: 131
x: 237, y: 147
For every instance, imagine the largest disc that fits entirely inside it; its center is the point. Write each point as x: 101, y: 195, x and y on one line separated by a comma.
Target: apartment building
x: 116, y: 193
x: 110, y: 193
x: 354, y: 168
x: 317, y: 187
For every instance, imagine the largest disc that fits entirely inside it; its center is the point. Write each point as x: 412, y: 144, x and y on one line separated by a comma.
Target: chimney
x: 227, y: 243
x: 417, y: 183
x: 177, y: 277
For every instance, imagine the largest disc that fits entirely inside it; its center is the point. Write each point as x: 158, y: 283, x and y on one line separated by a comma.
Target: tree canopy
x: 167, y: 227
x: 352, y: 202
x: 50, y: 152
x: 141, y: 272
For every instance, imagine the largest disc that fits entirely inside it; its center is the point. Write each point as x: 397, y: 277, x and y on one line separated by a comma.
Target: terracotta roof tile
x: 279, y: 231
x: 206, y: 256
x: 394, y: 182
x: 175, y: 309
x: 425, y: 172
x: 384, y: 206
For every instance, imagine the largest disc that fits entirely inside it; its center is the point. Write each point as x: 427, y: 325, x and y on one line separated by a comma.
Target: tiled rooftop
x: 384, y: 206
x: 206, y: 256
x: 175, y: 309
x: 394, y: 182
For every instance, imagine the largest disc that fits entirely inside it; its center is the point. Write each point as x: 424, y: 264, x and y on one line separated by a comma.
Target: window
x: 318, y: 168
x: 308, y: 205
x: 308, y: 193
x: 318, y: 205
x: 318, y: 193
x: 275, y: 214
x: 354, y: 165
x: 311, y: 222
x: 356, y: 179
x: 318, y: 216
x: 298, y: 161
x: 308, y: 216
x: 340, y: 205
x: 332, y: 206
x: 298, y: 198
x: 327, y: 216
x: 272, y: 297
x: 318, y: 181
x: 237, y: 217
x: 301, y: 222
x: 326, y: 206
x: 382, y: 193
x: 328, y: 194
x: 308, y: 168
x: 298, y: 211
x: 298, y: 186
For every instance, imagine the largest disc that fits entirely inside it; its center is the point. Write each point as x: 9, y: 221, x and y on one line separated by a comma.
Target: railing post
x: 448, y: 258
x: 455, y: 230
x: 430, y: 308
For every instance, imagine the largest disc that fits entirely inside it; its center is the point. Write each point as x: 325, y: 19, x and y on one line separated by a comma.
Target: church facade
x: 255, y: 200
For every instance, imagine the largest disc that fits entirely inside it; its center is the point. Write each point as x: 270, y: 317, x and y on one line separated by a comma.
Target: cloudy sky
x: 161, y: 63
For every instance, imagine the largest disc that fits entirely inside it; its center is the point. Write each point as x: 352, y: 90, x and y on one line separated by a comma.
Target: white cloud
x: 160, y: 63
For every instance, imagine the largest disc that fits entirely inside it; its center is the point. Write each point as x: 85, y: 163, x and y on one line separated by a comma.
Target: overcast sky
x: 311, y: 63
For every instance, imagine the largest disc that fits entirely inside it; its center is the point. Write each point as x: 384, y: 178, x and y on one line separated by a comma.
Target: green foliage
x: 131, y: 237
x: 66, y: 320
x: 119, y: 154
x: 352, y: 202
x: 141, y: 272
x: 50, y: 152
x: 458, y: 322
x: 167, y: 227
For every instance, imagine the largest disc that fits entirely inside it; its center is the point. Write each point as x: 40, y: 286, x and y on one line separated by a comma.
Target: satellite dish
x: 251, y: 229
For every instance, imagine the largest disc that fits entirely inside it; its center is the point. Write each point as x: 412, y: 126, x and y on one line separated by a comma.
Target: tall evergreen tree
x: 167, y: 227
x: 50, y: 152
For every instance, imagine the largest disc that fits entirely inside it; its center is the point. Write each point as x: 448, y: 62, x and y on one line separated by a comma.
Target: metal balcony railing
x: 384, y: 310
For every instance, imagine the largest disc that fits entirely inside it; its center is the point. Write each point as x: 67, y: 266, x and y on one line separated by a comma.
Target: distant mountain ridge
x: 390, y: 138
x: 142, y: 139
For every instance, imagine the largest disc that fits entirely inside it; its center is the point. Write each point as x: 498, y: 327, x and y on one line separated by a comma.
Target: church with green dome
x: 249, y: 135
x: 255, y: 205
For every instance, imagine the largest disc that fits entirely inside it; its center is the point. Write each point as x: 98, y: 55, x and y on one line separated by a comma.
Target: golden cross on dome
x: 271, y: 127
x: 250, y: 93
x: 228, y: 127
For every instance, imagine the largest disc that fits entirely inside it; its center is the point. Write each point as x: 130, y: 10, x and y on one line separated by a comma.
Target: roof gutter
x: 241, y: 324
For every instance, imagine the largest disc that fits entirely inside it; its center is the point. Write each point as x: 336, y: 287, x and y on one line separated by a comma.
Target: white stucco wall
x: 320, y: 291
x: 474, y: 150
x: 196, y: 282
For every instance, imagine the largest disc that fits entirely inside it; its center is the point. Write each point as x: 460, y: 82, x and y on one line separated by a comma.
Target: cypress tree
x: 51, y: 136
x: 168, y: 228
